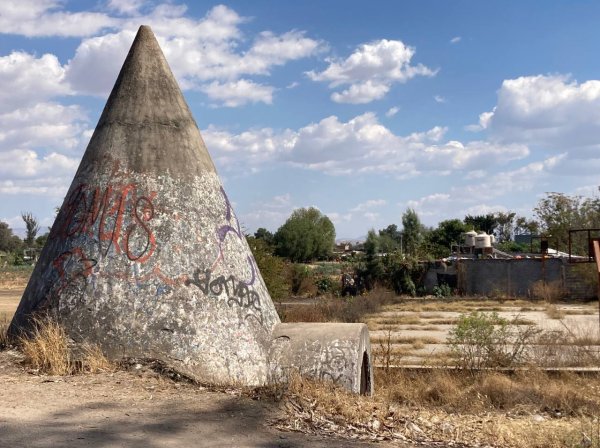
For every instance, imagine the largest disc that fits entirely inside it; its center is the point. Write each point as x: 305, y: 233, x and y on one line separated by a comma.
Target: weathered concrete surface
x: 327, y: 351
x: 146, y: 257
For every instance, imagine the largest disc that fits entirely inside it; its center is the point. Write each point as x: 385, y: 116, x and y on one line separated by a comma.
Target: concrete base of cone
x: 327, y: 351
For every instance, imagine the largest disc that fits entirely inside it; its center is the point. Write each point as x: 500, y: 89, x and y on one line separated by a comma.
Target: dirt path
x: 126, y: 409
x: 9, y: 300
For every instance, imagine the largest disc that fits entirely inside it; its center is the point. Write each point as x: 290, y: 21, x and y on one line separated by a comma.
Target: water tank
x: 470, y: 238
x: 483, y: 240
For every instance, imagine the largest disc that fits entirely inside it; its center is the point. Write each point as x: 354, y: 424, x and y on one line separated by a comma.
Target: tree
x: 8, y: 241
x: 412, y: 232
x: 448, y: 232
x: 558, y: 213
x: 373, y: 270
x: 482, y: 223
x: 305, y: 236
x: 272, y: 268
x: 390, y: 239
x: 504, y: 226
x: 263, y: 234
x: 524, y: 226
x: 40, y: 241
x: 32, y: 227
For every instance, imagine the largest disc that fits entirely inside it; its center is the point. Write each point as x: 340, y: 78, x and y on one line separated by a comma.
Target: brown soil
x: 135, y: 409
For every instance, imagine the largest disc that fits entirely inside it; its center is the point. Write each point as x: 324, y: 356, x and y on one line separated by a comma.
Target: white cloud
x: 360, y: 145
x: 371, y: 203
x: 97, y: 61
x: 128, y: 7
x: 34, y: 18
x: 439, y: 99
x: 455, y: 40
x: 26, y: 79
x: 45, y: 125
x: 23, y: 163
x: 552, y: 115
x: 550, y: 111
x: 392, y: 111
x: 371, y: 71
x: 238, y: 93
x: 207, y: 54
x: 361, y: 93
x: 54, y: 187
x: 479, y: 197
x: 339, y: 218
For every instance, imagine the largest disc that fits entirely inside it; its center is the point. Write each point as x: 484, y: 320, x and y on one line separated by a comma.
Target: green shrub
x: 482, y: 340
x: 442, y: 290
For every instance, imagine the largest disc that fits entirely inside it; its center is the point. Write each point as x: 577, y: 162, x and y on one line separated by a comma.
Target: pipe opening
x: 365, y: 376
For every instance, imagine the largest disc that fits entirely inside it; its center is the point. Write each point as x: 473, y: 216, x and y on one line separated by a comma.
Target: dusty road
x: 125, y: 409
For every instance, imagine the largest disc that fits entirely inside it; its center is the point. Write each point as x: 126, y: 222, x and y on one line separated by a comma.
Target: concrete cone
x: 146, y: 257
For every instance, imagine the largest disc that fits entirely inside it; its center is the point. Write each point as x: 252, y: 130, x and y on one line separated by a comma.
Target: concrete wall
x: 515, y: 277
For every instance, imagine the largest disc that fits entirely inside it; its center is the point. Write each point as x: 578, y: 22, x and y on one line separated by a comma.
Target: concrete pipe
x: 326, y: 351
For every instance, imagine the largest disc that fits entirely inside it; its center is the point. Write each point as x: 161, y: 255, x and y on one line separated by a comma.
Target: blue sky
x: 359, y: 109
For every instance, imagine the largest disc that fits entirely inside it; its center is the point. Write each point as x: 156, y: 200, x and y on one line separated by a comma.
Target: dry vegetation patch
x: 15, y: 277
x: 529, y: 409
x: 48, y: 350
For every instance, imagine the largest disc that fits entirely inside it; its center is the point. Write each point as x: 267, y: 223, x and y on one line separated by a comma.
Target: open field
x: 418, y: 329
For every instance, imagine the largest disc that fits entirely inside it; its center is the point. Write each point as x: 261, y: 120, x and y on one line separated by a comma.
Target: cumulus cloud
x: 238, y: 93
x: 26, y: 79
x: 455, y: 40
x: 47, y: 125
x: 439, y: 99
x: 360, y: 145
x: 370, y: 71
x: 209, y: 54
x: 33, y: 18
x: 39, y: 148
x: 551, y: 114
x: 125, y: 6
x: 553, y: 111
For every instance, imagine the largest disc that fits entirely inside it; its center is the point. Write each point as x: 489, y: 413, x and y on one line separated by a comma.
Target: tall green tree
x: 32, y: 226
x: 373, y: 270
x: 412, y: 232
x: 306, y: 235
x: 558, y: 212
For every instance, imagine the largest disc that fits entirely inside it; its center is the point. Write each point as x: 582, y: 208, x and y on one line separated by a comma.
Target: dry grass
x: 569, y: 347
x: 4, y: 323
x: 335, y: 309
x: 399, y: 339
x: 554, y: 312
x: 547, y: 291
x: 439, y: 405
x: 46, y: 349
x: 15, y: 278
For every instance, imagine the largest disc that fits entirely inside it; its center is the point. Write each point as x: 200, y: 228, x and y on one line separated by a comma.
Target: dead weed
x: 47, y: 350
